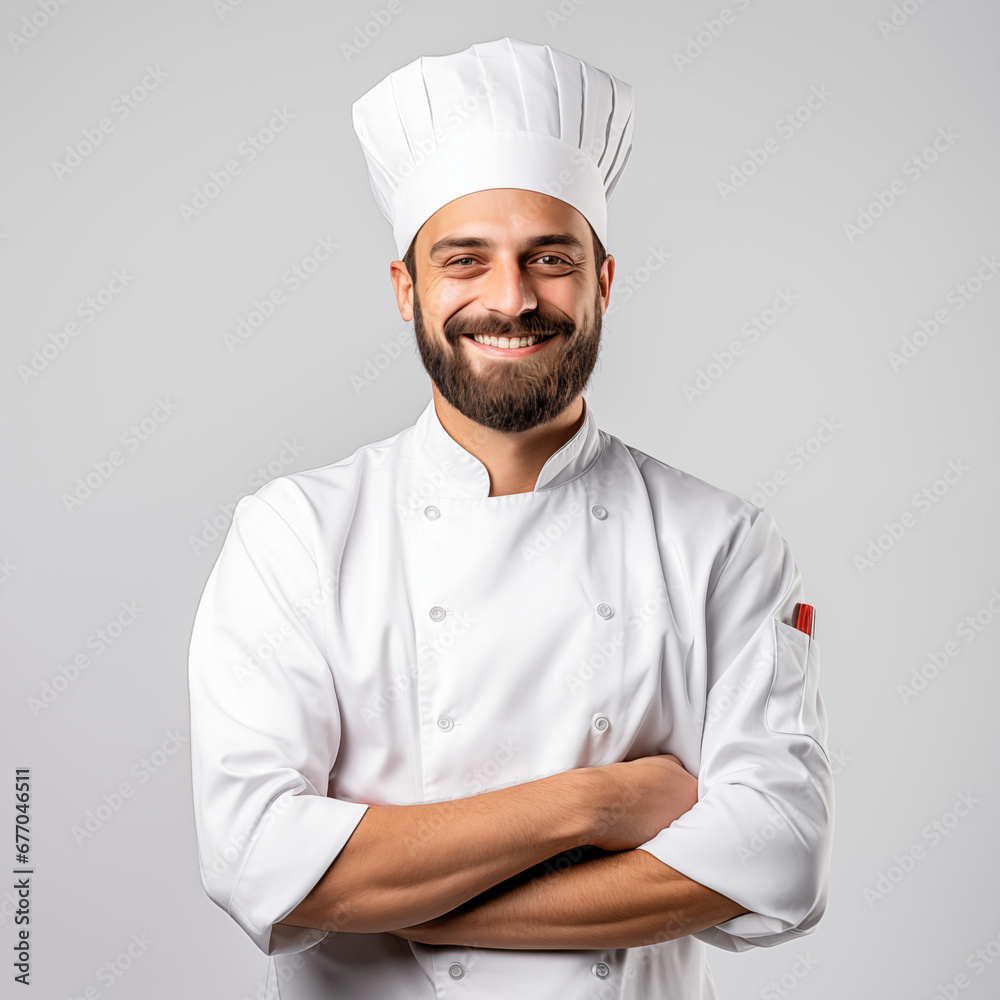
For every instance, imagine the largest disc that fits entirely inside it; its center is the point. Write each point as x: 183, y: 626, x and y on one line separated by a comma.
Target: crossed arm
x: 496, y: 870
x: 620, y: 901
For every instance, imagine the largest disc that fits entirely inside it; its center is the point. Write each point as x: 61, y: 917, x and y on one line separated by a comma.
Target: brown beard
x: 518, y: 394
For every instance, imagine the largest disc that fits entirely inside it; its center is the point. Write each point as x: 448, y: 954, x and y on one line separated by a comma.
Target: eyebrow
x: 567, y: 240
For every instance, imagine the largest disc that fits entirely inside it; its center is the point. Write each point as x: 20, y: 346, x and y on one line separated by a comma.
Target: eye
x: 458, y: 260
x: 553, y: 257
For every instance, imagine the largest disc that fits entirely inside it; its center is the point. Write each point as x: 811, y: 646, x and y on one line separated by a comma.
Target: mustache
x: 533, y: 323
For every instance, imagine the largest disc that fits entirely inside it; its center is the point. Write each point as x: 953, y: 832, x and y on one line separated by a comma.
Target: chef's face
x: 507, y: 263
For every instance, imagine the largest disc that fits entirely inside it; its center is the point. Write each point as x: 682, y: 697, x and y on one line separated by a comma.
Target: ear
x: 403, y: 287
x: 604, y: 280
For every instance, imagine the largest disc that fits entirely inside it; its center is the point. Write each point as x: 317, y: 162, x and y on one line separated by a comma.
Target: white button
x: 437, y: 614
x: 605, y: 610
x: 599, y: 512
x: 601, y: 723
x: 432, y: 513
x: 601, y: 969
x: 446, y: 722
x: 456, y: 971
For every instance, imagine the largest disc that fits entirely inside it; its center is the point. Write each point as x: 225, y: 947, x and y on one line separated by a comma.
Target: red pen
x: 803, y: 618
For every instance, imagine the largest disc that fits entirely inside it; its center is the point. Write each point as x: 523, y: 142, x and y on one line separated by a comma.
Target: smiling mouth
x: 509, y: 342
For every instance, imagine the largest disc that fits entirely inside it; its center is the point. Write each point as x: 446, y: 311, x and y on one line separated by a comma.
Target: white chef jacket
x: 382, y: 630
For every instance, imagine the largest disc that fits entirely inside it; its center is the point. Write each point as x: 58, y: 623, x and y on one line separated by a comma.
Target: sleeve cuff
x: 300, y: 837
x: 749, y: 930
x: 762, y: 852
x: 740, y: 933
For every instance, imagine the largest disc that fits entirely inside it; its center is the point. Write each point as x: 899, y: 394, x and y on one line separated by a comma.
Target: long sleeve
x: 265, y: 730
x: 761, y: 831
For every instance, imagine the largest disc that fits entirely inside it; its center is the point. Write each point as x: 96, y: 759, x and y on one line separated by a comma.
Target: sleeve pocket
x: 794, y: 703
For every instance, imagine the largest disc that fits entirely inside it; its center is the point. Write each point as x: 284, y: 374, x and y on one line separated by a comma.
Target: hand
x: 636, y: 799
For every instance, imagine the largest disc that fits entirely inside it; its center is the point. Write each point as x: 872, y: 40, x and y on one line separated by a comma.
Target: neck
x: 513, y: 459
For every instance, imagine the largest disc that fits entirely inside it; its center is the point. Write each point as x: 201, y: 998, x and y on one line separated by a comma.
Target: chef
x: 500, y: 706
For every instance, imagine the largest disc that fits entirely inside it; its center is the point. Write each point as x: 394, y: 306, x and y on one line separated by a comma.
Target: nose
x: 507, y: 289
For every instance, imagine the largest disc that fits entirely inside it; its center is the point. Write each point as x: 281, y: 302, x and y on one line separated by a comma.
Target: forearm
x: 620, y: 901
x: 407, y: 864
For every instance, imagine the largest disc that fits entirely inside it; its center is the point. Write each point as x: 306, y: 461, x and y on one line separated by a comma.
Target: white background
x: 289, y: 397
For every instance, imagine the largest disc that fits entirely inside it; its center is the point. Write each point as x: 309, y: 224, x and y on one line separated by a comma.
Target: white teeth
x: 482, y: 338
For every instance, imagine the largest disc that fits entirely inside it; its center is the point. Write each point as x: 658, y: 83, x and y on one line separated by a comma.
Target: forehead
x: 500, y: 216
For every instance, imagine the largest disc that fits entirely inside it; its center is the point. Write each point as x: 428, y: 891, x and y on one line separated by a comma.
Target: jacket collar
x: 458, y: 473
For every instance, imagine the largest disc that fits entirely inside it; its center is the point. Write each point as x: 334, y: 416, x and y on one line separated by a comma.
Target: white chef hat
x: 500, y: 114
